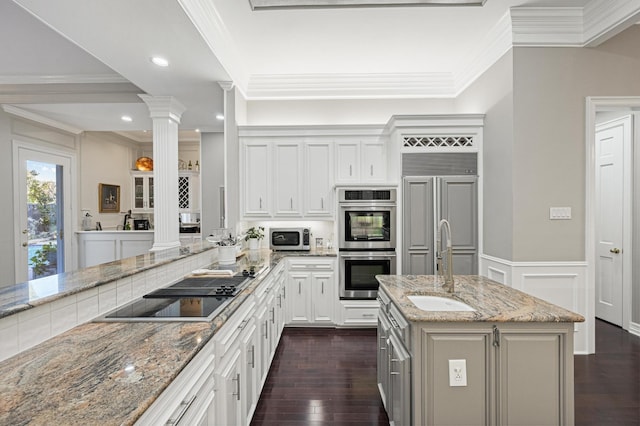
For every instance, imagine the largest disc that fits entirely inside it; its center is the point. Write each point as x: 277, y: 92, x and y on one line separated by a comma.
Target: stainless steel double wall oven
x: 367, y: 243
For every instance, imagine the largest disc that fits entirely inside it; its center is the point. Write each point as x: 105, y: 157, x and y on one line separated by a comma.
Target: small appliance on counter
x: 290, y: 239
x: 141, y: 224
x: 189, y: 223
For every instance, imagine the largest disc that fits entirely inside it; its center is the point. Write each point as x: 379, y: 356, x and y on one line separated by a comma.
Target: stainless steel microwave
x: 289, y: 239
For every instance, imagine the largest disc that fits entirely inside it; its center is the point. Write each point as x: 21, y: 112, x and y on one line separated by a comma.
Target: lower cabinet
x: 516, y: 373
x: 312, y: 292
x: 191, y: 399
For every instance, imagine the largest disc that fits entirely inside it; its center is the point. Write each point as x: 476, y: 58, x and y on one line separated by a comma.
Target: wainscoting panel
x: 561, y: 283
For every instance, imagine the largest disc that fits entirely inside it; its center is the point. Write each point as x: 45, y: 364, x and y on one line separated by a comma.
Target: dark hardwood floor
x: 328, y: 376
x: 607, y: 383
x: 323, y: 377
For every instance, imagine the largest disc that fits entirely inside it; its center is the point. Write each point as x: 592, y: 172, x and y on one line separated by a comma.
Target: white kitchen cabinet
x: 256, y: 178
x: 191, y: 398
x: 249, y: 373
x: 96, y: 247
x: 311, y: 292
x: 189, y: 191
x: 230, y: 378
x: 359, y: 313
x: 287, y: 189
x: 142, y: 201
x: 318, y: 179
x: 360, y: 161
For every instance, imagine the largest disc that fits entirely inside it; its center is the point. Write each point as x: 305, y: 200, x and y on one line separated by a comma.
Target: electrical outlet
x: 457, y: 372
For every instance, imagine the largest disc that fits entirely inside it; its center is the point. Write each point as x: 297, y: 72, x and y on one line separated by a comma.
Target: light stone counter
x: 492, y: 301
x: 110, y: 373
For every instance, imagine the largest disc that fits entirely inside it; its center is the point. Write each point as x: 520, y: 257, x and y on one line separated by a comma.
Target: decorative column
x: 165, y: 111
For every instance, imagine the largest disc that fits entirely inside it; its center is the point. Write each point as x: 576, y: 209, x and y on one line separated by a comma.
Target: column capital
x: 164, y: 107
x: 226, y: 85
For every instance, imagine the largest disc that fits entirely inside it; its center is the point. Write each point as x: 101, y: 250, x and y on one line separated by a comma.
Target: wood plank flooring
x: 328, y: 377
x: 607, y: 383
x: 323, y: 377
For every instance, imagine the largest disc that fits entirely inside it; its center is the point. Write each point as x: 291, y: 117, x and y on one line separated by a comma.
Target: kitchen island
x: 508, y: 361
x: 113, y: 372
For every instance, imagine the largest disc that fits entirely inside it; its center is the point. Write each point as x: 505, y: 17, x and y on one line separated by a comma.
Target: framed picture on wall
x: 108, y: 198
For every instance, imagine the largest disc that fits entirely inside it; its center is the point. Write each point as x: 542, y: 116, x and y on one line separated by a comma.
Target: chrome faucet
x: 445, y: 270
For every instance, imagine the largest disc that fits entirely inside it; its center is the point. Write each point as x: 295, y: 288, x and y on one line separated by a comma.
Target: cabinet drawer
x: 365, y: 313
x: 311, y: 265
x: 228, y: 336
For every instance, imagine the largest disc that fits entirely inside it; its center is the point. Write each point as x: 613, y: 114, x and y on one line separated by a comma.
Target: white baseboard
x: 634, y: 328
x: 561, y: 283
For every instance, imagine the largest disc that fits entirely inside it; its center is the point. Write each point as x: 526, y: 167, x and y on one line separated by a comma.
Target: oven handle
x: 366, y: 205
x: 369, y: 255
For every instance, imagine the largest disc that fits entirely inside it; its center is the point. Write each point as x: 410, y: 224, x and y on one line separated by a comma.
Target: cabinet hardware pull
x: 266, y: 329
x: 322, y: 289
x: 237, y: 393
x: 260, y: 202
x: 273, y: 315
x: 243, y: 324
x: 368, y: 315
x: 291, y: 201
x: 350, y: 170
x: 284, y: 292
x: 321, y: 203
x: 496, y: 336
x: 185, y: 406
x: 253, y: 356
x: 372, y: 170
x: 279, y: 301
x: 299, y: 287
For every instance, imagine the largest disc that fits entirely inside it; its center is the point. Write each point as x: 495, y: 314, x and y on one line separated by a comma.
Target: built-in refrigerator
x: 452, y: 195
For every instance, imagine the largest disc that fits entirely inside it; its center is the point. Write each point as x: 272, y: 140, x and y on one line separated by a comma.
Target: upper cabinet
x: 142, y: 192
x: 360, y: 161
x: 286, y: 178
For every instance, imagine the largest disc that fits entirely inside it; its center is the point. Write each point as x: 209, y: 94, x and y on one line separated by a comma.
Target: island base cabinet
x: 517, y: 374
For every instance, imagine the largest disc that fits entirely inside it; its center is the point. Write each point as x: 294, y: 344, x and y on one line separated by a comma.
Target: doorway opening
x: 623, y: 253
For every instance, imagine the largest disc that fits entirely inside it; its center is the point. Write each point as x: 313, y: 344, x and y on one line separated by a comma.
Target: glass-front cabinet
x: 142, y: 192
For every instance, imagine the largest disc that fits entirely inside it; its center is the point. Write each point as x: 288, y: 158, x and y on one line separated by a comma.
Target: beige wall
x: 492, y: 94
x: 550, y: 87
x: 105, y: 158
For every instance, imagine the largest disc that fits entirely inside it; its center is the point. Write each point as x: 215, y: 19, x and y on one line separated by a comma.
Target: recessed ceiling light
x: 126, y: 118
x: 197, y: 130
x: 220, y: 116
x: 159, y: 61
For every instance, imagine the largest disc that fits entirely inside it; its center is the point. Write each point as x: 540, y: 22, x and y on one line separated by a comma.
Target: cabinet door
x: 383, y: 358
x: 531, y: 372
x: 257, y: 178
x: 229, y: 411
x: 441, y: 401
x: 318, y: 179
x: 348, y: 161
x: 298, y: 298
x: 374, y: 166
x: 288, y: 178
x: 322, y: 302
x: 263, y: 345
x: 249, y: 371
x: 399, y: 400
x: 417, y: 256
x: 142, y: 193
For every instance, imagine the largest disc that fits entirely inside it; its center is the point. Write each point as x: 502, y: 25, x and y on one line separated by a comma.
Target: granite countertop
x: 110, y: 373
x: 492, y: 301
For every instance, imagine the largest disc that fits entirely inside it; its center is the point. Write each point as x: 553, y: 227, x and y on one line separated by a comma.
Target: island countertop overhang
x: 492, y: 301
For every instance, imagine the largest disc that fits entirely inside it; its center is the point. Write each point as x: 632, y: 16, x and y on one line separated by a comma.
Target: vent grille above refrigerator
x: 440, y: 164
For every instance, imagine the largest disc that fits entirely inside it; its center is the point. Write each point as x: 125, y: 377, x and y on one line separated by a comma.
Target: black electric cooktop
x: 192, y: 299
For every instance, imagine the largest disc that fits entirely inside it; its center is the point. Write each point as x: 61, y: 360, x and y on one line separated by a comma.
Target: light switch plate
x: 560, y: 213
x: 457, y: 372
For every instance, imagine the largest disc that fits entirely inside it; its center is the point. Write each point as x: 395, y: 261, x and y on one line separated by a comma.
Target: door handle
x: 24, y: 244
x: 615, y: 250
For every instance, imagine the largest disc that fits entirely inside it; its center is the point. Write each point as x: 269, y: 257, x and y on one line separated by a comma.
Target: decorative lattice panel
x: 183, y: 192
x: 437, y: 141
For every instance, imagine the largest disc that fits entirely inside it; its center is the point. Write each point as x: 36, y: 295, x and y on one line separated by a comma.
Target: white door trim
x: 593, y: 103
x: 70, y: 202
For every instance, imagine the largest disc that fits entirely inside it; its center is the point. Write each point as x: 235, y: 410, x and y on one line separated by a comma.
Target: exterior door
x: 610, y: 184
x: 42, y: 213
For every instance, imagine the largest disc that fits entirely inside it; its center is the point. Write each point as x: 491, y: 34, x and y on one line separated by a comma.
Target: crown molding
x: 19, y: 112
x: 494, y: 45
x: 204, y: 15
x: 350, y: 86
x: 547, y: 26
x: 63, y: 79
x: 604, y: 19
